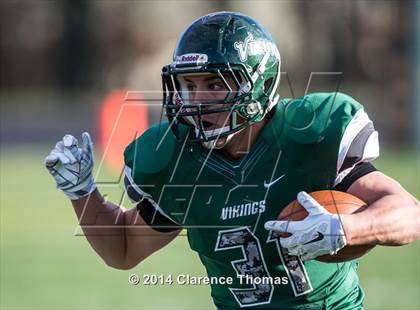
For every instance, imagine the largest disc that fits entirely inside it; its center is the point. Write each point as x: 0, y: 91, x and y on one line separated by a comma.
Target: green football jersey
x: 310, y: 143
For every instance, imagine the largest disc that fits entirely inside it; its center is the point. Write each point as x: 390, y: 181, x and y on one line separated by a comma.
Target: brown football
x: 335, y: 202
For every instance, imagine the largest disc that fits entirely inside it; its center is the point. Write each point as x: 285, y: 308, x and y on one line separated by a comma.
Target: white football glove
x: 71, y: 166
x: 318, y: 234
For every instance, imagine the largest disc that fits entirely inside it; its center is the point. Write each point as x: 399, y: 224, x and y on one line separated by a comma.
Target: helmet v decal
x: 242, y: 47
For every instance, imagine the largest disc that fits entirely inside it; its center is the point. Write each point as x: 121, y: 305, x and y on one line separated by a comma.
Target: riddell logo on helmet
x: 192, y: 58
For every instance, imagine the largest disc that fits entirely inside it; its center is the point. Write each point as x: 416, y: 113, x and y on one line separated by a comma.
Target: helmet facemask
x: 181, y: 109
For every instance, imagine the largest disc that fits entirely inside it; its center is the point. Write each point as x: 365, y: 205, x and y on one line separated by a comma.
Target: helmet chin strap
x: 213, y: 143
x: 215, y: 132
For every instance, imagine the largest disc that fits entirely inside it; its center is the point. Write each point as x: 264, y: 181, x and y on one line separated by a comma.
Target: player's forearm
x: 391, y: 220
x: 110, y: 229
x: 103, y: 225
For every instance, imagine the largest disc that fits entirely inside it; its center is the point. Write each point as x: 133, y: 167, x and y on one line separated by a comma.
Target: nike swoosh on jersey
x: 267, y: 185
x: 317, y: 238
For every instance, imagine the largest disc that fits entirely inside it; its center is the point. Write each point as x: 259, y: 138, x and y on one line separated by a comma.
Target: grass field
x: 44, y: 266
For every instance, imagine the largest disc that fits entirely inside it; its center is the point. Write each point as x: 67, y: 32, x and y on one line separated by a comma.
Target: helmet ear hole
x: 255, y: 67
x: 268, y: 85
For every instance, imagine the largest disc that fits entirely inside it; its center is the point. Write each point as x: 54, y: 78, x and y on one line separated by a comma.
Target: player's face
x: 205, y: 88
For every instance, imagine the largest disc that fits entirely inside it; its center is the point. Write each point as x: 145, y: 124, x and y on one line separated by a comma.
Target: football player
x: 229, y: 158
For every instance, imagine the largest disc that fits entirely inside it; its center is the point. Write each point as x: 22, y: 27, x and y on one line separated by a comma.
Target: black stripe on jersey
x: 357, y: 172
x: 147, y: 211
x: 357, y: 147
x: 154, y: 218
x: 131, y: 191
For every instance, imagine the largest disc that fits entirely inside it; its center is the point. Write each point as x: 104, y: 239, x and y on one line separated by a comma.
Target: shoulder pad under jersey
x: 313, y: 117
x: 149, y: 155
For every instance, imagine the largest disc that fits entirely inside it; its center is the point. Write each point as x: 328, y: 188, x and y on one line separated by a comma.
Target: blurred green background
x: 60, y: 59
x: 45, y: 266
